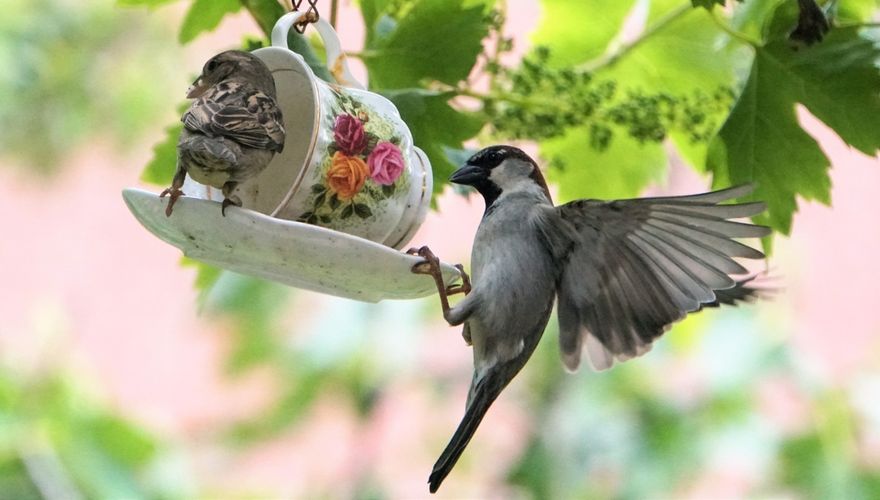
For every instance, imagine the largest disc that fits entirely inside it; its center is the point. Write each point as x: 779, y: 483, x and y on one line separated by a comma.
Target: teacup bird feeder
x: 332, y: 211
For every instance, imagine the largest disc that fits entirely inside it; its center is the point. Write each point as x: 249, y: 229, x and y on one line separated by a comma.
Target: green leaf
x: 319, y: 200
x: 205, y: 15
x: 857, y: 10
x: 347, y: 212
x: 707, y: 4
x: 206, y: 276
x: 753, y: 18
x: 123, y: 442
x: 160, y: 170
x: 435, y: 127
x: 334, y: 201
x: 300, y: 44
x: 682, y: 58
x: 436, y: 39
x: 762, y: 140
x: 564, y: 24
x: 148, y: 3
x: 623, y: 170
x: 376, y: 20
x: 264, y: 12
x: 362, y: 211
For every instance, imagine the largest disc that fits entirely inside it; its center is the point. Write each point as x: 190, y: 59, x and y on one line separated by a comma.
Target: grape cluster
x: 536, y: 100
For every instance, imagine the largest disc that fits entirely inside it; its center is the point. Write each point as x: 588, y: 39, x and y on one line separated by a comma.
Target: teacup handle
x: 336, y: 61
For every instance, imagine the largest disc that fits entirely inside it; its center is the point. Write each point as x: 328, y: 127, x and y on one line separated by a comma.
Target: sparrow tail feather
x: 484, y: 394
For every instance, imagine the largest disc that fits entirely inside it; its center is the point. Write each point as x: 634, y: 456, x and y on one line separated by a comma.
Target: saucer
x: 287, y: 252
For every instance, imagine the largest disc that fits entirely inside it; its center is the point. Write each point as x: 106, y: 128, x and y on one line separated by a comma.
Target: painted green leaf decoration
x: 362, y: 211
x: 205, y: 15
x: 435, y: 127
x: 435, y: 40
x: 761, y: 141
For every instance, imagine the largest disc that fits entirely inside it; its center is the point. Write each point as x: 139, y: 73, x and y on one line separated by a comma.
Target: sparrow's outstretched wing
x: 639, y: 265
x: 238, y: 112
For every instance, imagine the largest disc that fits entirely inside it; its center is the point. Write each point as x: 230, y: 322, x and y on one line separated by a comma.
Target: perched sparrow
x: 622, y: 271
x: 232, y: 130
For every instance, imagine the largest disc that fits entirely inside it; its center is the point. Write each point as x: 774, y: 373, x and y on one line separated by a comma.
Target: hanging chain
x: 310, y: 16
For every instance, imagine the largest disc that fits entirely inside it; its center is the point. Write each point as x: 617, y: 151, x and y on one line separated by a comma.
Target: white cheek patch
x: 510, y: 173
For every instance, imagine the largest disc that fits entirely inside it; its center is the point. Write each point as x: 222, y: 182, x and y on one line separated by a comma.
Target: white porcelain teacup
x: 349, y: 162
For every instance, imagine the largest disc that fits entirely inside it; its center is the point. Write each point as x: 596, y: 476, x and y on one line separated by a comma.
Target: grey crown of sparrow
x: 620, y: 271
x: 233, y: 128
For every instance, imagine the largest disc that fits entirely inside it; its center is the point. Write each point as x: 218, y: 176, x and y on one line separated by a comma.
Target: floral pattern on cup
x: 362, y: 167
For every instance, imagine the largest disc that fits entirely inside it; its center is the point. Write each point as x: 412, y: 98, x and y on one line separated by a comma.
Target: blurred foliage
x: 601, y: 105
x: 74, y: 71
x: 58, y: 441
x: 720, y: 85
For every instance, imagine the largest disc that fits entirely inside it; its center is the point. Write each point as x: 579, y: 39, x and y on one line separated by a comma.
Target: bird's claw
x: 175, y: 194
x: 232, y: 201
x: 431, y: 267
x: 465, y: 286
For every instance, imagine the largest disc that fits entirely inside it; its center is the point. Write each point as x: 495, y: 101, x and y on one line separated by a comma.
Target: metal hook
x: 310, y: 16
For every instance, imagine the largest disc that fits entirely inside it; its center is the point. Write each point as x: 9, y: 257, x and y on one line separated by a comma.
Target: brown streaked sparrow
x: 621, y: 271
x: 232, y: 129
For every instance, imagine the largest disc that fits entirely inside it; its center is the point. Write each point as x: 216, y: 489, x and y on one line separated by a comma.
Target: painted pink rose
x: 386, y: 163
x: 348, y: 132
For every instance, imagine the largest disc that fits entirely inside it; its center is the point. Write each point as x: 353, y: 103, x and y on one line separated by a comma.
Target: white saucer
x: 292, y: 253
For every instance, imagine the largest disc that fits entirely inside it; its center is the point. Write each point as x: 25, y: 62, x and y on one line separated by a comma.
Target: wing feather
x: 639, y: 265
x: 239, y: 112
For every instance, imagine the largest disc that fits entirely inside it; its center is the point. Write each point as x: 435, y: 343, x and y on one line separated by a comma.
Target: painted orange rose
x: 347, y: 175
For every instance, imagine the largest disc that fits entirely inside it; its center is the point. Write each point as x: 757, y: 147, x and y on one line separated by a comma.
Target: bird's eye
x: 495, y: 158
x: 212, y: 65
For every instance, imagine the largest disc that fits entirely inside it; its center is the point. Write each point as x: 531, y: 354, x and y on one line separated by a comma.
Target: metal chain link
x: 310, y: 16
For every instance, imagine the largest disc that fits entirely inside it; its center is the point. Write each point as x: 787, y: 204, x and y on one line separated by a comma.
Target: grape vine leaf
x: 579, y: 31
x: 436, y: 40
x: 377, y: 22
x: 762, y: 142
x: 437, y: 128
x: 264, y: 13
x: 753, y: 18
x: 680, y: 60
x: 707, y: 4
x: 160, y: 169
x: 621, y: 171
x: 205, y: 15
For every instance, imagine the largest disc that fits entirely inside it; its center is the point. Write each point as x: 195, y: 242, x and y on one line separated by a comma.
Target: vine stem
x: 858, y: 25
x: 738, y: 35
x: 610, y: 58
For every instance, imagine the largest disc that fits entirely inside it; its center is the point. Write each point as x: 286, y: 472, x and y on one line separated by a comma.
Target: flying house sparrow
x: 232, y: 129
x: 622, y: 272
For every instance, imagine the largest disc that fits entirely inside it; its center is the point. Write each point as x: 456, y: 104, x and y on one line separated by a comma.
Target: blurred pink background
x: 83, y: 281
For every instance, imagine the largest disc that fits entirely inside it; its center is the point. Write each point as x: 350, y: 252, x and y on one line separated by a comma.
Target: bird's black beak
x: 468, y: 175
